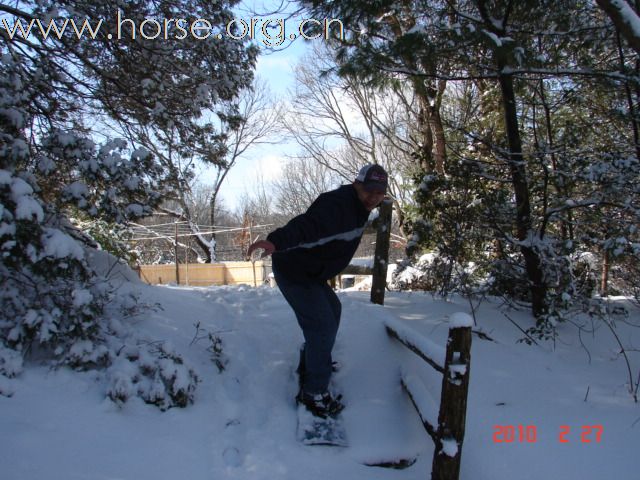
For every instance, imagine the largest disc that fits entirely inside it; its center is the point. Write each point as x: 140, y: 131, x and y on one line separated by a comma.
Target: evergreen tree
x: 58, y: 88
x: 524, y: 80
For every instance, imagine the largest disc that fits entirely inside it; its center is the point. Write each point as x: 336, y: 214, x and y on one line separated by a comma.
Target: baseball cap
x: 373, y: 177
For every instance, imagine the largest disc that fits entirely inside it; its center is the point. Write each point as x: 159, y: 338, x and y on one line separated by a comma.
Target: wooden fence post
x: 381, y: 258
x: 453, y: 405
x: 176, y: 255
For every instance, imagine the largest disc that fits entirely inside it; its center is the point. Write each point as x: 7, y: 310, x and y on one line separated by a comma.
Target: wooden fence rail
x: 205, y: 274
x: 454, y: 363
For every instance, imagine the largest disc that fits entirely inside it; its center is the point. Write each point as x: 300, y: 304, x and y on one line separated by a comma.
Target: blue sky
x: 276, y: 67
x: 264, y: 160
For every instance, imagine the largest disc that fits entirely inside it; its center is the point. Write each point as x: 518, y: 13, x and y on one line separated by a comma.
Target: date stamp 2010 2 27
x: 529, y: 434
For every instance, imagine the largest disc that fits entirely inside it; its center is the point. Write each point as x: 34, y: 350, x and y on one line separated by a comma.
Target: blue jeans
x: 318, y: 310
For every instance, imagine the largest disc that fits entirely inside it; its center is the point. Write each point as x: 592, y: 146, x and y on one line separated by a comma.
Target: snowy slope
x: 58, y: 424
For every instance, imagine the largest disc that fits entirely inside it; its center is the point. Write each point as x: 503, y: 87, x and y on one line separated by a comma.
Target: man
x: 307, y: 252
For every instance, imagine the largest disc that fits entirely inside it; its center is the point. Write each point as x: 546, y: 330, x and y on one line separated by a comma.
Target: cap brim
x: 375, y: 187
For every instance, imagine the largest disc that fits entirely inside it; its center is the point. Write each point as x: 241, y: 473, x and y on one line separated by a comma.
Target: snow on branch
x: 625, y: 19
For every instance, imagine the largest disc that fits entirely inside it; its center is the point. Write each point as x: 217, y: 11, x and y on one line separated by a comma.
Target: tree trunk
x: 437, y: 128
x: 430, y: 122
x: 566, y: 225
x: 521, y: 190
x: 424, y: 126
x: 440, y: 156
x: 210, y: 251
x: 604, y: 279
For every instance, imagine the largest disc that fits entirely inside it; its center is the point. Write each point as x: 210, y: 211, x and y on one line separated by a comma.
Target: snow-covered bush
x: 56, y: 309
x: 154, y: 372
x: 50, y: 302
x: 10, y: 362
x: 435, y: 273
x: 423, y: 274
x: 627, y: 276
x: 507, y: 277
x: 449, y: 220
x: 58, y: 96
x: 106, y: 181
x: 584, y: 273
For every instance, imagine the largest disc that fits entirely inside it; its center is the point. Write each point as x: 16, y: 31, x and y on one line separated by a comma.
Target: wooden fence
x: 250, y: 273
x: 204, y: 274
x: 447, y: 429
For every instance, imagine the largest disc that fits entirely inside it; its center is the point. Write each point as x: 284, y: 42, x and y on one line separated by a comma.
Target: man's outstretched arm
x: 266, y: 245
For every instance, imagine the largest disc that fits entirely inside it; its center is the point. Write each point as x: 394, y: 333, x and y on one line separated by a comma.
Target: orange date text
x: 529, y: 434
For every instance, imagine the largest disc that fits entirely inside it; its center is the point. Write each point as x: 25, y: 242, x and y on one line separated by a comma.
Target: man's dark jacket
x: 320, y: 243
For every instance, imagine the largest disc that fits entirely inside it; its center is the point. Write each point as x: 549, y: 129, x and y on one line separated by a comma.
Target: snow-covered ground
x: 58, y: 424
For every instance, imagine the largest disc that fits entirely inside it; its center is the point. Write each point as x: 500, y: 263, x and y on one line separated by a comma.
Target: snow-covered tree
x: 540, y: 101
x: 68, y: 68
x: 249, y: 120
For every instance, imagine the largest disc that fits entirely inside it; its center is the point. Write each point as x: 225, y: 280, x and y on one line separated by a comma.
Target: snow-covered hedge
x: 153, y: 372
x: 432, y: 272
x: 56, y: 163
x: 49, y: 301
x: 55, y: 309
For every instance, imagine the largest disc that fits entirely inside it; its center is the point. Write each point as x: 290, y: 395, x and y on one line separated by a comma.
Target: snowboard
x: 314, y: 430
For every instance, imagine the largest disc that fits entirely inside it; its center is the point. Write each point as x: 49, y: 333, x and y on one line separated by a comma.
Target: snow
x: 58, y: 244
x: 140, y: 153
x: 27, y: 206
x: 15, y: 117
x: 77, y: 190
x: 460, y: 319
x: 493, y: 37
x: 629, y: 15
x: 428, y: 348
x: 10, y: 363
x: 457, y: 371
x: 427, y: 407
x: 135, y: 209
x: 449, y: 447
x: 362, y: 262
x: 59, y: 425
x: 81, y: 297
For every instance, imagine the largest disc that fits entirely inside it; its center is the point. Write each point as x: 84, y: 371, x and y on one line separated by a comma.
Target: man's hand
x: 265, y: 245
